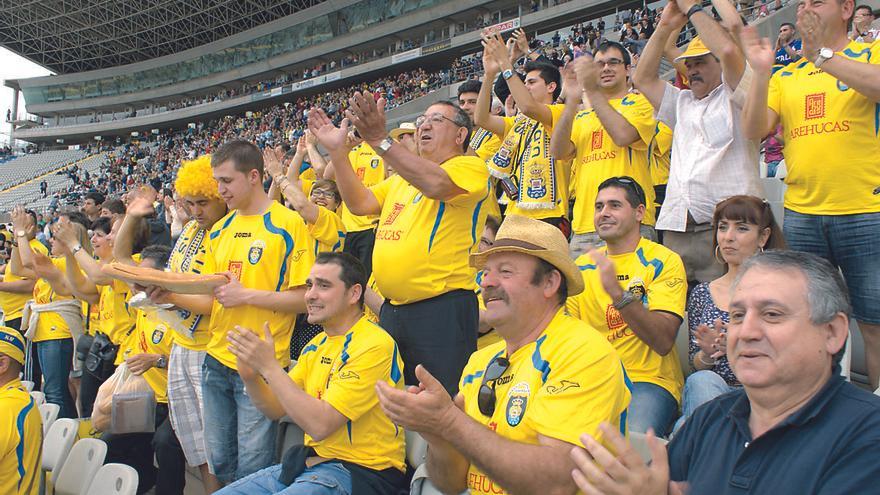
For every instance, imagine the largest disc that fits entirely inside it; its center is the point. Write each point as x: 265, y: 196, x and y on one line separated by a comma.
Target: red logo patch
x: 814, y: 106
x: 596, y: 142
x: 235, y: 269
x: 613, y: 318
x: 395, y: 211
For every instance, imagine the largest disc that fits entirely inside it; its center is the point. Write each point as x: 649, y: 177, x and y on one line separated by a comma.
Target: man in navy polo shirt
x: 796, y: 427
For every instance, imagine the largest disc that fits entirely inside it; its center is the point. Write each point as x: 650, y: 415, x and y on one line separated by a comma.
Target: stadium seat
x: 57, y: 445
x: 681, y: 346
x: 114, y: 479
x: 846, y: 360
x: 640, y: 442
x: 28, y: 385
x: 39, y: 397
x: 48, y: 413
x: 421, y: 484
x: 83, y: 462
x: 416, y: 449
x: 289, y: 434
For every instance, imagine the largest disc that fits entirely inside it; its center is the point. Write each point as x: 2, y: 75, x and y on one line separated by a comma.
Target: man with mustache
x: 524, y: 396
x: 711, y: 159
x: 797, y: 426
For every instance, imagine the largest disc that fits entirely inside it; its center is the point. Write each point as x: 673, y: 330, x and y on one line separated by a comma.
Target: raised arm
x: 494, y: 46
x: 561, y: 146
x: 758, y: 120
x: 139, y: 206
x: 647, y: 75
x: 292, y: 191
x: 621, y: 131
x: 483, y: 111
x: 718, y: 41
x: 65, y: 233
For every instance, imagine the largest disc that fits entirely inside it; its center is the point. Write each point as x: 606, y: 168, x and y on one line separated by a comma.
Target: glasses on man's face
x: 611, y: 62
x: 486, y: 396
x: 434, y: 119
x: 320, y: 193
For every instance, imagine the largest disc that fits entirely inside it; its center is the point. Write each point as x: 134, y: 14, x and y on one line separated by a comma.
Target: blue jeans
x: 848, y: 242
x: 55, y: 358
x: 699, y: 388
x: 239, y: 439
x: 328, y: 478
x: 652, y: 406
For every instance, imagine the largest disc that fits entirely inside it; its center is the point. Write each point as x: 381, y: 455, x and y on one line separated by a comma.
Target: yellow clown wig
x: 195, y: 178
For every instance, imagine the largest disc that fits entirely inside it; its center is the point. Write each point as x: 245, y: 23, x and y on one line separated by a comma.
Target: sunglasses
x: 486, y: 396
x: 630, y: 184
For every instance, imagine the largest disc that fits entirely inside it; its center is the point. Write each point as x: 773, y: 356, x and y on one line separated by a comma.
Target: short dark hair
x: 245, y: 156
x: 33, y: 216
x: 635, y: 195
x: 115, y: 206
x: 351, y: 270
x: 792, y: 26
x: 77, y: 216
x: 461, y: 119
x: 493, y: 223
x: 613, y: 45
x: 864, y: 7
x: 158, y: 253
x: 103, y: 224
x: 95, y: 196
x: 469, y: 86
x: 549, y: 73
x: 542, y: 271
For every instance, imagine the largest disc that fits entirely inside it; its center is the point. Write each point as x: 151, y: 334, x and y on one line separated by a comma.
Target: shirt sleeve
x: 468, y: 173
x: 640, y: 115
x: 302, y: 256
x: 327, y: 228
x: 572, y: 307
x: 667, y: 111
x: 352, y: 389
x: 668, y: 291
x: 774, y: 93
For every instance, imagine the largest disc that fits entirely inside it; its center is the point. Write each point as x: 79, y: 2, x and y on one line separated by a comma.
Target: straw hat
x: 696, y: 48
x: 519, y: 234
x: 405, y: 128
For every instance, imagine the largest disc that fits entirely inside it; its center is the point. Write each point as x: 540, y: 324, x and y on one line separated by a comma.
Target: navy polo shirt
x: 831, y: 445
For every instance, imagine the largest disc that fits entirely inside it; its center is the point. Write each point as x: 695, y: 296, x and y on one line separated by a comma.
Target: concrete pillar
x: 13, y: 116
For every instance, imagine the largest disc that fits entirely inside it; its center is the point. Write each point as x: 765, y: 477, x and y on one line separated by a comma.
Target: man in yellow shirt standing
x: 430, y: 216
x: 15, y: 291
x: 524, y: 400
x: 635, y: 297
x: 829, y: 108
x: 350, y: 445
x: 611, y: 139
x: 21, y: 430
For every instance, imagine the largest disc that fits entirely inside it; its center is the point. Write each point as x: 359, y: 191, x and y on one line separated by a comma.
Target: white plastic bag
x: 133, y: 406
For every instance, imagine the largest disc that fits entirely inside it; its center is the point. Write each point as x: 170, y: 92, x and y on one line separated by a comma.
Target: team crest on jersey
x: 374, y: 163
x: 256, y: 251
x: 597, y: 139
x: 235, y: 269
x: 814, y: 106
x: 517, y: 401
x: 158, y: 334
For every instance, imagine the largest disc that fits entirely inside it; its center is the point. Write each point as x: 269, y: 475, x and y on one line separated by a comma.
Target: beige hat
x: 696, y: 48
x: 519, y: 234
x: 405, y: 128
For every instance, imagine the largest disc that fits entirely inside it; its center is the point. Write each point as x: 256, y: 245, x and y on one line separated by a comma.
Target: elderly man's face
x: 508, y: 291
x: 771, y: 340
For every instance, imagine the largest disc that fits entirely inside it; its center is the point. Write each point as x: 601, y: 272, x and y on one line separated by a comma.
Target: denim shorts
x: 849, y: 242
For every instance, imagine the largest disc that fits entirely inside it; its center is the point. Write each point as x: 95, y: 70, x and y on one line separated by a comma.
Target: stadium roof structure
x: 68, y: 36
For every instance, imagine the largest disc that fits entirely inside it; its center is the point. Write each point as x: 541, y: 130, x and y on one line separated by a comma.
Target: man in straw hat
x: 21, y: 430
x: 711, y: 159
x: 527, y: 396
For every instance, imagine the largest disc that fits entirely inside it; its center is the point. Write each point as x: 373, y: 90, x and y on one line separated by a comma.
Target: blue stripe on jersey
x: 629, y: 386
x: 586, y: 267
x: 470, y: 378
x: 877, y: 119
x: 477, y: 215
x: 19, y: 449
x: 395, y: 369
x: 345, y: 355
x: 440, y: 211
x: 657, y: 264
x: 858, y: 55
x: 288, y: 246
x: 538, y: 362
x: 225, y: 224
x: 348, y: 427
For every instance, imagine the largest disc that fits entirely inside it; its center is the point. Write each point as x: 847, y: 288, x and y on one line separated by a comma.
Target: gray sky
x: 13, y: 66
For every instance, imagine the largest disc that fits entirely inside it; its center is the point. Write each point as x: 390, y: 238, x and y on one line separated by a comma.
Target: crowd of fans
x: 559, y: 223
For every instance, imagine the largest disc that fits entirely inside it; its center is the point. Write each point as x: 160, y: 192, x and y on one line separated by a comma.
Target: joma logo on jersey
x: 241, y: 235
x: 814, y: 106
x: 395, y: 211
x: 596, y: 141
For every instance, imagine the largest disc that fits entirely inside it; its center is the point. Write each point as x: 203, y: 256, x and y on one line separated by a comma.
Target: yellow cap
x: 12, y: 344
x: 696, y: 48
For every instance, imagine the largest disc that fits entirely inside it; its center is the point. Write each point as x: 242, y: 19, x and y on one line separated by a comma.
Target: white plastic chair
x: 114, y: 479
x: 416, y: 449
x: 640, y: 442
x: 48, y: 413
x: 57, y: 445
x: 28, y: 385
x: 39, y: 397
x: 83, y: 462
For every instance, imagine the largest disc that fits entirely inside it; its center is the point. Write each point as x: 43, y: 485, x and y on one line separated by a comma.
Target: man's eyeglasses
x: 612, y: 62
x: 486, y: 397
x: 320, y: 193
x: 434, y: 118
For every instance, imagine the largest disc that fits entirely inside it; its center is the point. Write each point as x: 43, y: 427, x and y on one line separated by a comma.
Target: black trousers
x: 137, y: 450
x: 439, y: 333
x: 360, y: 245
x: 89, y: 384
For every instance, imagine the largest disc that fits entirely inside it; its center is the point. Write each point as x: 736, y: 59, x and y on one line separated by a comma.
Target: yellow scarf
x: 525, y: 154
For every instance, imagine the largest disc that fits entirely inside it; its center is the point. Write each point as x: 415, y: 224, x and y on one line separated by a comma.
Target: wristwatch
x: 694, y: 9
x: 384, y: 146
x: 20, y: 233
x: 76, y: 249
x: 507, y: 74
x: 162, y: 362
x: 824, y: 54
x: 625, y: 299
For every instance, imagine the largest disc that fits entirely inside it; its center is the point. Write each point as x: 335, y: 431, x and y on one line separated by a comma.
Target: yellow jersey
x: 343, y: 371
x: 328, y: 232
x: 50, y: 325
x: 434, y: 236
x: 370, y: 169
x: 534, y: 148
x: 151, y: 336
x: 368, y: 313
x: 270, y: 252
x: 655, y: 275
x: 565, y: 383
x: 485, y: 144
x: 117, y: 319
x: 597, y: 158
x: 13, y: 302
x: 188, y: 256
x: 21, y: 440
x: 832, y: 137
x: 660, y: 154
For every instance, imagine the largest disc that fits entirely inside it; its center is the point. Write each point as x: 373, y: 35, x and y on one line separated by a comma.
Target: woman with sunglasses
x: 744, y: 225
